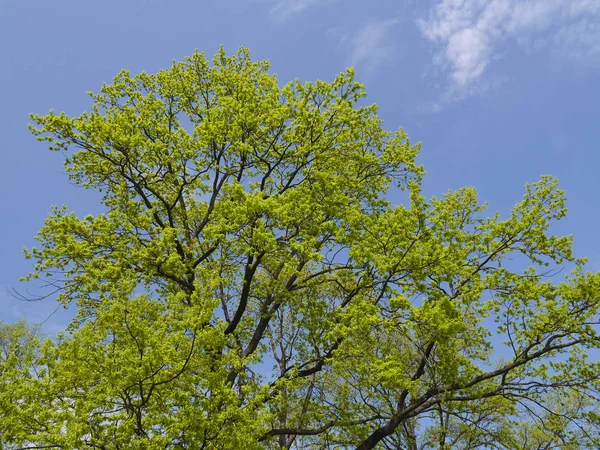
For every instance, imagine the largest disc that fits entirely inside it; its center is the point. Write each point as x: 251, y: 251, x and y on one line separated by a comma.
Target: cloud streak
x: 370, y: 45
x: 467, y: 34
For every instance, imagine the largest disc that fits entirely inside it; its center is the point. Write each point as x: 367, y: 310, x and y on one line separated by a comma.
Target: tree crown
x: 251, y: 285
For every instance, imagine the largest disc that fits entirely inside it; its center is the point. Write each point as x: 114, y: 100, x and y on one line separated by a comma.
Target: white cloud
x: 370, y: 46
x: 469, y: 51
x: 467, y: 33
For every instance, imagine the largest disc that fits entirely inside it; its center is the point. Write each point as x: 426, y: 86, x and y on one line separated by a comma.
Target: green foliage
x: 251, y: 286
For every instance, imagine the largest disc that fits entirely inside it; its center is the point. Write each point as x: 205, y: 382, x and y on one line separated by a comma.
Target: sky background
x: 498, y: 91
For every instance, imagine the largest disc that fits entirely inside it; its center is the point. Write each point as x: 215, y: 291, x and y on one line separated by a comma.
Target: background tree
x: 250, y: 285
x: 19, y: 353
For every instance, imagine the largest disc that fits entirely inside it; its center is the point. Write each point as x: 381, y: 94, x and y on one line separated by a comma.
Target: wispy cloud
x: 468, y: 34
x: 284, y: 9
x: 371, y: 45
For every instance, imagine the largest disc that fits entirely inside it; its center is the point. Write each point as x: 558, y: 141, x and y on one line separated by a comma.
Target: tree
x: 19, y: 350
x: 250, y: 284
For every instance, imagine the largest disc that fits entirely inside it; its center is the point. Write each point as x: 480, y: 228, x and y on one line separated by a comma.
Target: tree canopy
x: 251, y: 285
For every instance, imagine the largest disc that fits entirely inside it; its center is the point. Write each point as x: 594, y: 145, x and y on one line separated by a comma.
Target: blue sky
x: 498, y: 91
